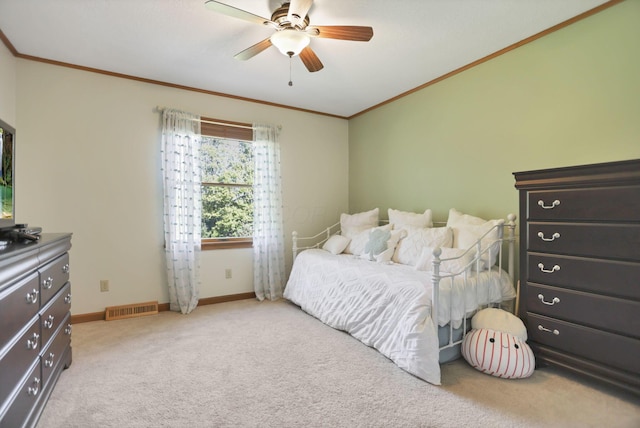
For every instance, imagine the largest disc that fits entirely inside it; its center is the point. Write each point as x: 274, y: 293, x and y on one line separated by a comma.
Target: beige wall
x: 7, y: 86
x: 88, y: 149
x: 88, y: 162
x: 571, y: 97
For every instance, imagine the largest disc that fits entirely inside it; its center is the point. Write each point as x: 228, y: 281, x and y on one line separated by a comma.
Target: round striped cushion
x: 498, y: 353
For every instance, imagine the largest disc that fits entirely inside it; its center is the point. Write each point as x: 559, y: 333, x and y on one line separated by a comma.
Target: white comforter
x: 388, y: 306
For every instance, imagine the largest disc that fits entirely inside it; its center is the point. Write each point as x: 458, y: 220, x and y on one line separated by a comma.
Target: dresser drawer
x: 607, y: 348
x: 599, y: 204
x: 17, y: 357
x: 608, y: 277
x: 611, y: 241
x: 22, y: 403
x: 54, y: 313
x: 53, y: 276
x: 34, y: 294
x: 607, y: 313
x: 18, y: 304
x: 52, y: 354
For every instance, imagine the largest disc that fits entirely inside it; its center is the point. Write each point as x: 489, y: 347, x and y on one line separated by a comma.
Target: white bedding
x: 388, y: 306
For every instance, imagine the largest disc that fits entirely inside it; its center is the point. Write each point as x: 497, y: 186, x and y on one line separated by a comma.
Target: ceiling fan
x: 293, y: 32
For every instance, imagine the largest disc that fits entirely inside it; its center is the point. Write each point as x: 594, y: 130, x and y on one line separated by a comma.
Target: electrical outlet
x: 228, y: 274
x: 104, y: 285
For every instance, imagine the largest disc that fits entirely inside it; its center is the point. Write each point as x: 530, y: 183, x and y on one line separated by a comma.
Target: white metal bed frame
x: 506, y: 239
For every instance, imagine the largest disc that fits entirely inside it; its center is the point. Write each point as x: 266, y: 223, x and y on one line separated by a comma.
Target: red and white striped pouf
x: 496, y: 345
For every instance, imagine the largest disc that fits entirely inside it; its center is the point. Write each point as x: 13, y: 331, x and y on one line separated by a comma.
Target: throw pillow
x: 358, y: 242
x: 500, y: 320
x: 408, y: 220
x: 454, y: 260
x: 336, y: 244
x: 459, y: 220
x: 381, y: 244
x: 410, y: 247
x: 353, y: 224
x: 496, y: 345
x: 468, y: 229
x: 377, y: 243
x: 498, y: 353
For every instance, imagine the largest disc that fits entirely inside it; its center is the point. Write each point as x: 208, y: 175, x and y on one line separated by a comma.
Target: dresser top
x: 605, y: 174
x: 19, y: 248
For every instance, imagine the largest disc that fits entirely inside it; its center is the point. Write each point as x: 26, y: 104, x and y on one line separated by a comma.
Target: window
x: 6, y: 174
x: 226, y: 155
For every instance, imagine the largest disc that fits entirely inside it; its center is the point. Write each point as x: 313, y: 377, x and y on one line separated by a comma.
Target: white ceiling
x: 181, y: 42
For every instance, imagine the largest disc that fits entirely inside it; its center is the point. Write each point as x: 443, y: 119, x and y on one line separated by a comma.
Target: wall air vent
x: 130, y: 311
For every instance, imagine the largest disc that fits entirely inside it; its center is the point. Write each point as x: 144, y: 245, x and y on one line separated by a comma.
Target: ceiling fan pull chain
x: 290, y: 81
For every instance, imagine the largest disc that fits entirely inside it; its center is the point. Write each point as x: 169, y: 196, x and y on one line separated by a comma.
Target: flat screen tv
x: 7, y: 174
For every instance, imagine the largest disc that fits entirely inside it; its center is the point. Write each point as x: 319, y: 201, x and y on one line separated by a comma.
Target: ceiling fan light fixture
x: 290, y: 41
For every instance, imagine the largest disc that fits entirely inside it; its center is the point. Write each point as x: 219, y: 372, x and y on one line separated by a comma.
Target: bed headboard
x: 508, y: 240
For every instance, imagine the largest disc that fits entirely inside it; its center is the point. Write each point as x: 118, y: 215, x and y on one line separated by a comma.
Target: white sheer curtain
x: 182, y: 207
x: 268, y: 232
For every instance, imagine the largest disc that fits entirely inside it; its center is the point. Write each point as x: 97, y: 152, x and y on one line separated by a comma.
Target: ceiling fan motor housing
x: 279, y: 16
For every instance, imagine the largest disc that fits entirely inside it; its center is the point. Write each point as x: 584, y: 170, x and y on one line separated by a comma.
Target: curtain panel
x: 268, y: 230
x: 182, y: 207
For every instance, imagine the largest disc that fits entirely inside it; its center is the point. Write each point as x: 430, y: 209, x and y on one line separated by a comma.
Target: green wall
x: 569, y: 98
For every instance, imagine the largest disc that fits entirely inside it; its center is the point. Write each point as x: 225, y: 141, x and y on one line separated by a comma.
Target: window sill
x: 226, y: 244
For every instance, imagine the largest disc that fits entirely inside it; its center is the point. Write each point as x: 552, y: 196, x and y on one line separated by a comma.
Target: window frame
x: 210, y: 127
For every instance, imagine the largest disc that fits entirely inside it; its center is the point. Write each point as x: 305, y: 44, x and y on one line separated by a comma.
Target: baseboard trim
x: 222, y: 299
x: 100, y: 316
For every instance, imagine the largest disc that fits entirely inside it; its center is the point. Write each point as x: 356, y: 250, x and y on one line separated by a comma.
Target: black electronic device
x: 20, y: 233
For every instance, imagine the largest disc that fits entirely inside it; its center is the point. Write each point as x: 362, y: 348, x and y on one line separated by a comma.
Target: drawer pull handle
x: 49, y: 361
x: 552, y: 270
x: 33, y: 296
x: 33, y: 390
x: 549, y: 207
x: 33, y: 342
x: 67, y: 298
x: 47, y: 283
x: 553, y: 237
x: 48, y: 323
x: 65, y: 268
x: 554, y: 331
x: 551, y: 303
x: 67, y: 329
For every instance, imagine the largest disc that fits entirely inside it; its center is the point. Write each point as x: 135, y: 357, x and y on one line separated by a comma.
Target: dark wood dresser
x: 580, y: 268
x: 35, y: 328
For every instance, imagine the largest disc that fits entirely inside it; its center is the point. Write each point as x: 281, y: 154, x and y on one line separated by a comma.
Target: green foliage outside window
x: 6, y: 156
x: 227, y: 192
x: 6, y: 179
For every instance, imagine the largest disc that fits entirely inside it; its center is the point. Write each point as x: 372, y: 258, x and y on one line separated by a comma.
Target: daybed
x: 381, y: 283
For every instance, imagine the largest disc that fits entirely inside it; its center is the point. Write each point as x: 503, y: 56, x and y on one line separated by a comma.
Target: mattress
x: 388, y: 306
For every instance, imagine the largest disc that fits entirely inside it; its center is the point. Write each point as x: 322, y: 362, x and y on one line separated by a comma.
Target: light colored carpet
x: 251, y: 364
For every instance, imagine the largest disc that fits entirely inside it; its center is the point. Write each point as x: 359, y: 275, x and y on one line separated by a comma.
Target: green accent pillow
x: 377, y: 243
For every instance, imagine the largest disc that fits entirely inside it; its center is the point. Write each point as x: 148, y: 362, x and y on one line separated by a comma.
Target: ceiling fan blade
x: 297, y: 11
x: 311, y: 60
x: 225, y: 9
x: 342, y: 32
x: 254, y: 50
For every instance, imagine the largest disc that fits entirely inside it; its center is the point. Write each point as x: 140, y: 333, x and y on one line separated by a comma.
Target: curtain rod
x: 161, y: 109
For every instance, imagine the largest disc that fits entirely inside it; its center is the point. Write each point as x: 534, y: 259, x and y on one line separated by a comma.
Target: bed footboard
x: 507, y: 239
